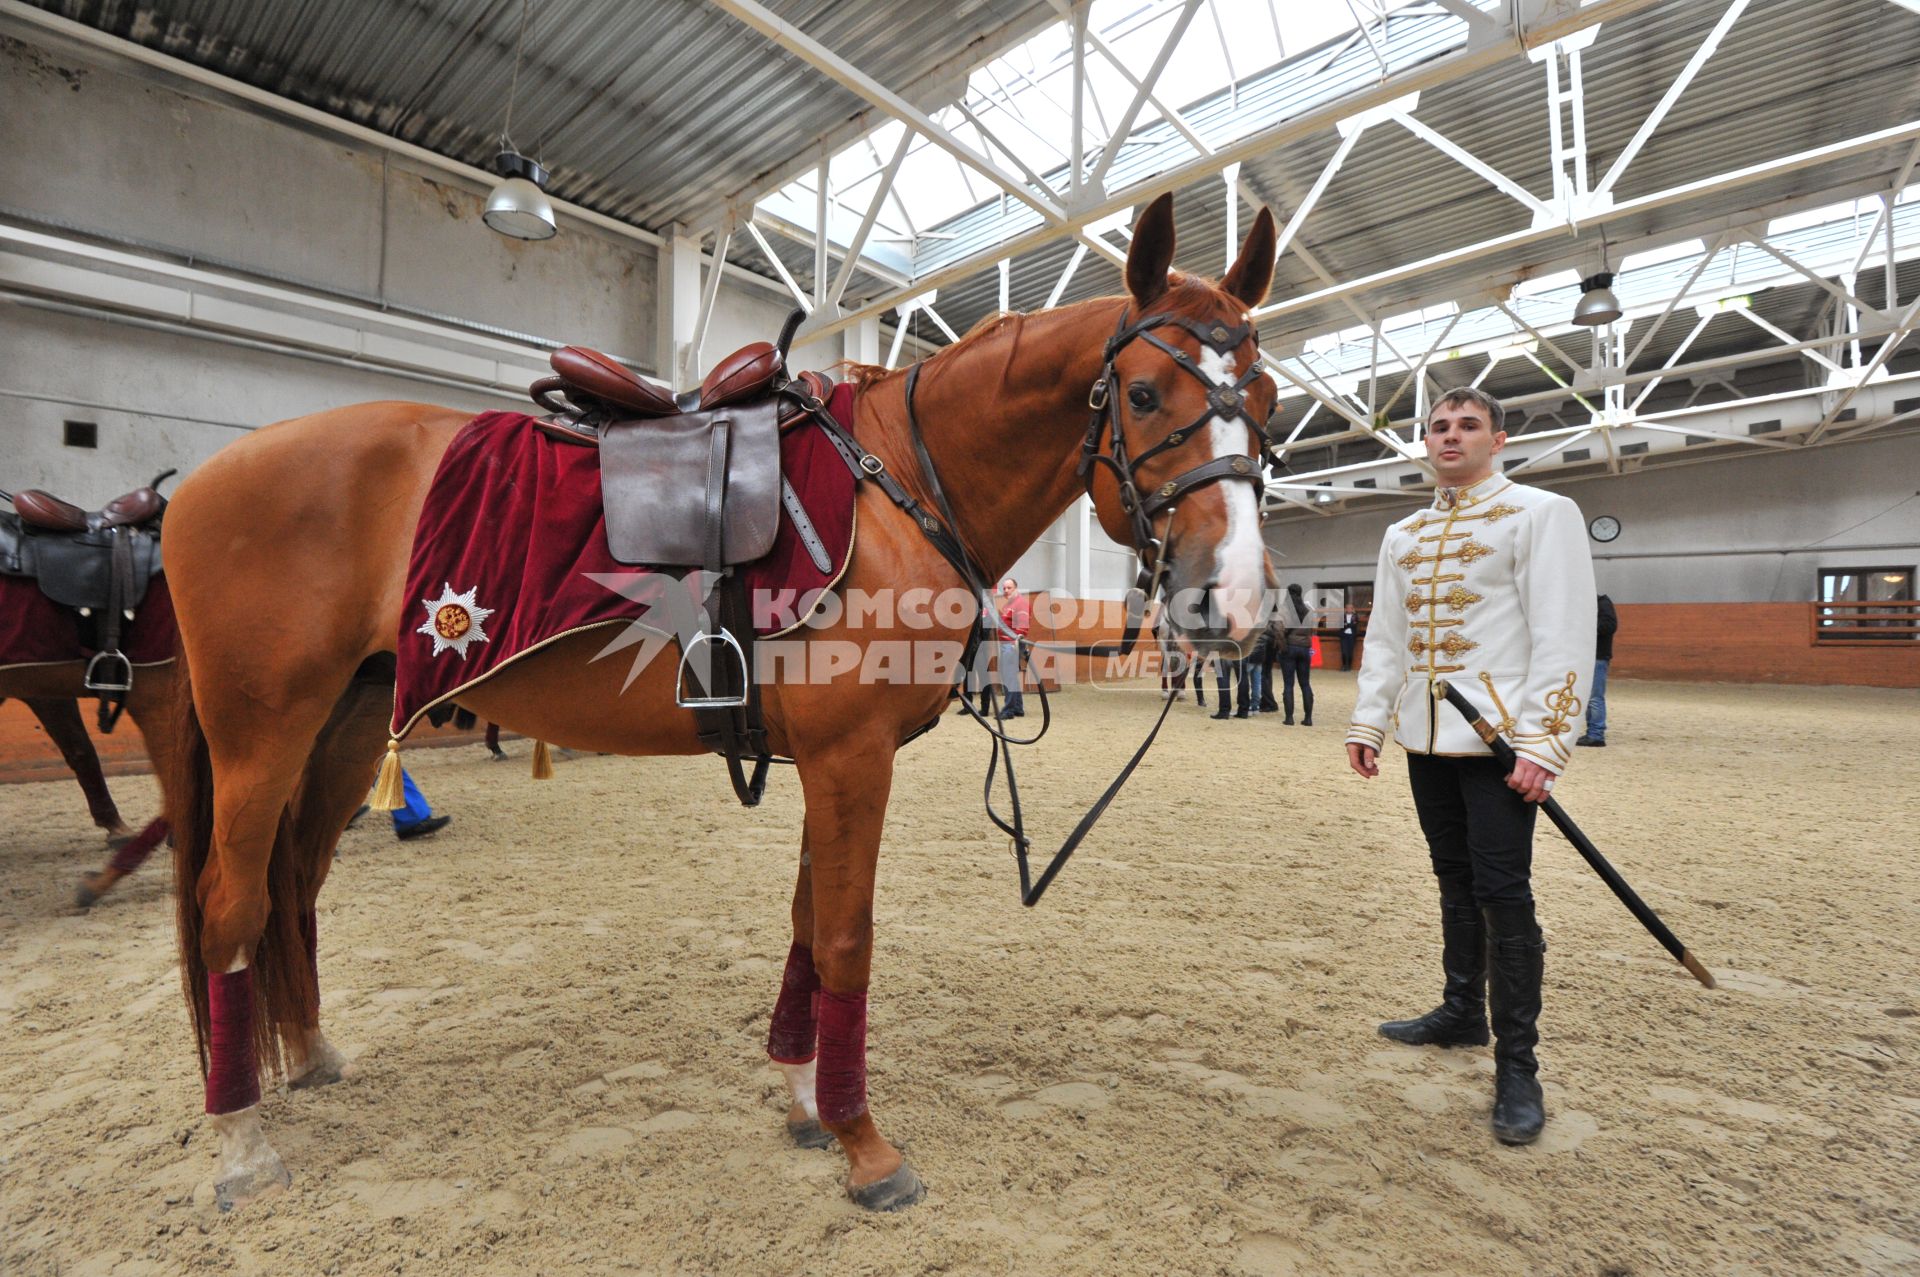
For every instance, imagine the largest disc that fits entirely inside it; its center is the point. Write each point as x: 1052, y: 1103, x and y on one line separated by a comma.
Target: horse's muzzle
x: 1213, y: 618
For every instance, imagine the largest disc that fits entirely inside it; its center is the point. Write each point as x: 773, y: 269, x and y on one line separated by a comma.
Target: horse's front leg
x: 846, y: 793
x: 793, y: 1036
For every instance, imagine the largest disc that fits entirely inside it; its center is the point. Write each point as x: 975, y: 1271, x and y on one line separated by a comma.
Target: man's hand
x: 1528, y: 779
x: 1361, y: 759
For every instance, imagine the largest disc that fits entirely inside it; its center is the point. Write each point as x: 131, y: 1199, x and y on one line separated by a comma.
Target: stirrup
x: 702, y: 638
x: 96, y: 683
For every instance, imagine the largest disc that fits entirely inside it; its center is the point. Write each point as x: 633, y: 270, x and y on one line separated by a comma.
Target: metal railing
x: 1861, y: 624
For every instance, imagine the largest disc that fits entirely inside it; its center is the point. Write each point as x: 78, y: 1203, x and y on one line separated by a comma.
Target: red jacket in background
x: 1018, y: 615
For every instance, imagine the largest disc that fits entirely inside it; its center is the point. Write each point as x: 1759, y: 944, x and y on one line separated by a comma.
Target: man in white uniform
x: 1490, y: 588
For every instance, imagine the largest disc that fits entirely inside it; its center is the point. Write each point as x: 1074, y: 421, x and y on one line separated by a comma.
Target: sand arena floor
x: 557, y: 1009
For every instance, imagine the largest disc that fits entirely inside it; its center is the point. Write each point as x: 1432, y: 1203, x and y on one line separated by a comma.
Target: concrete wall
x: 117, y: 162
x: 106, y: 152
x: 1751, y: 529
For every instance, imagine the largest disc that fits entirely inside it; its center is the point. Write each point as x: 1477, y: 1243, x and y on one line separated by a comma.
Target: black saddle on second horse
x: 99, y: 563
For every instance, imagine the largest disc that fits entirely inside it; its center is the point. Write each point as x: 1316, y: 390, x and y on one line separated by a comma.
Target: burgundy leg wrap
x: 790, y: 1039
x: 233, y: 1074
x: 135, y: 853
x: 840, y: 1083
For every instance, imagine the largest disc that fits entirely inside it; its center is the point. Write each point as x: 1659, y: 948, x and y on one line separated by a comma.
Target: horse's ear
x: 1152, y: 253
x: 1252, y: 272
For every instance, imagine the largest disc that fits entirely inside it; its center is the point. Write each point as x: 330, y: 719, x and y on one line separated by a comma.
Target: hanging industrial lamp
x: 518, y: 207
x: 1597, y: 305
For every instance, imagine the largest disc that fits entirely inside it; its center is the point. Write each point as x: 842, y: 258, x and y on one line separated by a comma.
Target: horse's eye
x: 1142, y: 398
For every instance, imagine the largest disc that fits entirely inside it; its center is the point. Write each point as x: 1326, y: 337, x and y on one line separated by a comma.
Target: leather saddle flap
x: 654, y: 483
x: 77, y: 569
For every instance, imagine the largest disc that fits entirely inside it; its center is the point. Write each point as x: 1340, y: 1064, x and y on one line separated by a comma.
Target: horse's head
x: 1174, y: 457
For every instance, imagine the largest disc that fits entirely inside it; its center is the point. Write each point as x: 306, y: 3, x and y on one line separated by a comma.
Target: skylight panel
x: 1017, y: 110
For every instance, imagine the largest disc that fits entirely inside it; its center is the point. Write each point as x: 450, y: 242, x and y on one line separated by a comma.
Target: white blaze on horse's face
x: 1239, y: 558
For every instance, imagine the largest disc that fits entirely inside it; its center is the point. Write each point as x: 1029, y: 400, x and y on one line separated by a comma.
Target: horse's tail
x: 284, y: 990
x: 189, y: 797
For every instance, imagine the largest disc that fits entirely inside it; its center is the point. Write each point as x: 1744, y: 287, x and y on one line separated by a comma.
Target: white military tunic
x: 1490, y: 588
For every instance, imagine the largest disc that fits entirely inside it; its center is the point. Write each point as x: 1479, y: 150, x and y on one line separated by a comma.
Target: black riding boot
x: 1461, y: 1017
x: 1518, y: 954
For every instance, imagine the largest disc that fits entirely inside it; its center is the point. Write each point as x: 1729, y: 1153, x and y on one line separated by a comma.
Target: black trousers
x: 1346, y: 650
x: 1297, y: 662
x: 1479, y: 832
x: 1230, y: 680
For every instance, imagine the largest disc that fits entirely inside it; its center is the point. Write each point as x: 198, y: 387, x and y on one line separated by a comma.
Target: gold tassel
x: 388, y: 794
x: 542, y: 761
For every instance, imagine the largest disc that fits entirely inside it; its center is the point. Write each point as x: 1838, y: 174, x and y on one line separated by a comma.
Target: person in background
x: 1259, y: 660
x: 1596, y: 733
x: 1270, y: 642
x: 416, y: 819
x: 1296, y: 653
x: 1230, y: 679
x: 1016, y: 615
x: 1349, y: 635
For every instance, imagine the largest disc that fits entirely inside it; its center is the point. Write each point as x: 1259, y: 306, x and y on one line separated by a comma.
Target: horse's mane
x: 1186, y: 294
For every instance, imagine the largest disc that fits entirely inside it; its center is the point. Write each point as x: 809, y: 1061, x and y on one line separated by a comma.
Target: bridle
x: 941, y: 528
x: 1225, y: 400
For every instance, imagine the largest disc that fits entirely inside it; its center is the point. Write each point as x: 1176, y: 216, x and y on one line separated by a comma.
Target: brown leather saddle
x: 692, y: 481
x: 98, y: 563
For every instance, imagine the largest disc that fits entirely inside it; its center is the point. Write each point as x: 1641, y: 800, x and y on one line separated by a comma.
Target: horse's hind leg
x: 846, y: 792
x: 61, y: 717
x: 150, y: 705
x: 258, y: 753
x: 792, y: 1037
x: 127, y: 857
x: 339, y: 774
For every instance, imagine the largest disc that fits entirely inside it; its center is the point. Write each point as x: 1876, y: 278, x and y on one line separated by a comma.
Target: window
x: 1335, y: 597
x: 1865, y: 604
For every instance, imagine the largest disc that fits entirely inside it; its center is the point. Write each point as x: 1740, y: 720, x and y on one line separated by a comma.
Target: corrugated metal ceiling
x: 651, y: 111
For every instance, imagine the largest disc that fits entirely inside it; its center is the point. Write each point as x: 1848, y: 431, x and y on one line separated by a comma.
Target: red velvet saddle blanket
x: 513, y: 536
x: 34, y: 630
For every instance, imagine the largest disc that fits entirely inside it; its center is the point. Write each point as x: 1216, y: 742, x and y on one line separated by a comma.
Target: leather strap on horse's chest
x: 865, y: 465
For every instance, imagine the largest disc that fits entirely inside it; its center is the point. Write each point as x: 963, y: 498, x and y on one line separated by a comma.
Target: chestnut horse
x: 52, y: 692
x: 287, y: 554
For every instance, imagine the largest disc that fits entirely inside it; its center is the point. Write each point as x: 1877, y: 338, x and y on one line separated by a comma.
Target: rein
x: 1224, y: 399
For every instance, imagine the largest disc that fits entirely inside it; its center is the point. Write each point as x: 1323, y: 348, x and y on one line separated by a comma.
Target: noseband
x: 1224, y: 400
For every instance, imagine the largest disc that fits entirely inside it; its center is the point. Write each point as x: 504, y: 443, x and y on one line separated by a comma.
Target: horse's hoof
x: 325, y: 1074
x: 84, y: 896
x: 808, y: 1133
x: 327, y: 1067
x: 252, y: 1184
x: 896, y: 1192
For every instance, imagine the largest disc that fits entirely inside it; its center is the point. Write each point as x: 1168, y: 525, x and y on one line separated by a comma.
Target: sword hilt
x: 1481, y: 727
